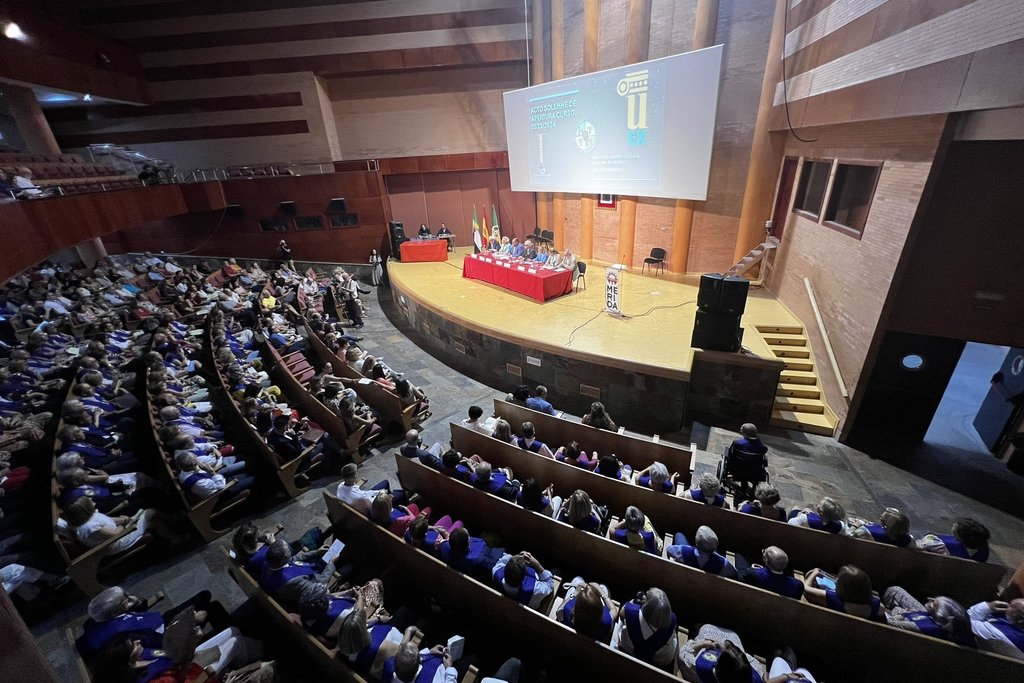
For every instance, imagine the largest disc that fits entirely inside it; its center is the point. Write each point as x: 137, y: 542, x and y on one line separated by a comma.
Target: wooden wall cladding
x: 212, y: 232
x: 35, y: 229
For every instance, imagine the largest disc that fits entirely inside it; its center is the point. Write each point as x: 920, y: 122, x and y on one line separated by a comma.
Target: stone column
x: 27, y: 113
x: 539, y: 56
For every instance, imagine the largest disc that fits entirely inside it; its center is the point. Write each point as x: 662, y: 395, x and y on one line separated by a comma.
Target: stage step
x: 798, y: 390
x: 780, y: 329
x: 811, y: 423
x: 801, y: 364
x: 798, y: 377
x: 799, y: 405
x: 799, y: 402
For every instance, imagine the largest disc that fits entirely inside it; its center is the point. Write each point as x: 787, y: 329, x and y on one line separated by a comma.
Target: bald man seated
x: 413, y: 448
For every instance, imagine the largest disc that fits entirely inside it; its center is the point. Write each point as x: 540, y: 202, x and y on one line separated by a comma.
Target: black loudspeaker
x: 396, y: 231
x: 337, y: 205
x: 722, y: 294
x: 234, y: 210
x: 289, y: 208
x: 714, y: 331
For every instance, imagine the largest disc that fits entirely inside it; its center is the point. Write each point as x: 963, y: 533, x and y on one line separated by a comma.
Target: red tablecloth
x: 540, y: 284
x: 415, y: 251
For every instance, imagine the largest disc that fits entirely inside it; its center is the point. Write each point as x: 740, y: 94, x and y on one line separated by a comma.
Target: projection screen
x: 645, y: 129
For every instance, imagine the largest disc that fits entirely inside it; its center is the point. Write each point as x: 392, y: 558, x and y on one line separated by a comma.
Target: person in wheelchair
x: 745, y: 464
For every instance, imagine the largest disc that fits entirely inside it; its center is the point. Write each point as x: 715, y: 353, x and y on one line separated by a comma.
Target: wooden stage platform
x: 652, y: 336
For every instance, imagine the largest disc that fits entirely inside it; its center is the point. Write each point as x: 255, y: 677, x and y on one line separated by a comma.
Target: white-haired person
x: 765, y: 503
x: 774, y: 575
x: 828, y: 515
x: 939, y: 617
x: 646, y: 629
x: 707, y: 492
x: 657, y: 478
x: 892, y: 528
x: 702, y: 554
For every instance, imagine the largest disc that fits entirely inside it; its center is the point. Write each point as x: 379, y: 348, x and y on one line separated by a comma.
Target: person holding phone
x: 850, y: 592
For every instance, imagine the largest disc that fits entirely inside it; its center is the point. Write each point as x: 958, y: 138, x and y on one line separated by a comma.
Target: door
x: 785, y: 192
x: 1005, y: 397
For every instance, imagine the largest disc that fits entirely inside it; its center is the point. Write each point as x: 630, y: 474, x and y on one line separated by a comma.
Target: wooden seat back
x: 636, y: 451
x: 520, y: 628
x: 878, y: 651
x: 918, y: 572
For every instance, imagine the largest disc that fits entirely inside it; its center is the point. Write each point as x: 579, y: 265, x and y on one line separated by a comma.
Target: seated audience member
x: 429, y: 537
x: 285, y: 576
x: 827, y: 516
x: 350, y: 493
x: 529, y: 441
x: 516, y: 251
x: 597, y: 417
x: 646, y: 629
x: 519, y: 395
x: 773, y: 575
x: 497, y: 482
x: 747, y: 448
x: 539, y: 401
x: 573, y: 455
x: 533, y: 498
x: 588, y: 609
x: 203, y: 481
x: 892, y: 528
x: 580, y: 512
x: 999, y: 627
x: 939, y: 617
x: 113, y: 612
x: 476, y: 421
x: 612, y: 467
x: 635, y: 530
x: 365, y: 642
x: 24, y: 187
x: 969, y: 540
x: 523, y: 578
x: 765, y: 503
x: 395, y: 518
x: 503, y: 432
x: 708, y: 492
x: 702, y: 554
x: 91, y: 527
x: 322, y: 611
x: 410, y: 394
x: 24, y: 581
x: 424, y: 231
x: 411, y: 665
x: 717, y: 654
x: 288, y: 443
x: 412, y: 448
x: 470, y: 555
x: 656, y: 478
x: 852, y: 593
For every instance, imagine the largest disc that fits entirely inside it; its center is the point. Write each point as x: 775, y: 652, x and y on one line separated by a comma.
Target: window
x: 345, y: 220
x: 273, y: 225
x: 309, y: 222
x: 850, y: 199
x: 810, y: 191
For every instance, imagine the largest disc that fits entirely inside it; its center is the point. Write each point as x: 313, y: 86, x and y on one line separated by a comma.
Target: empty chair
x: 655, y: 260
x: 581, y: 268
x: 537, y: 236
x: 547, y: 235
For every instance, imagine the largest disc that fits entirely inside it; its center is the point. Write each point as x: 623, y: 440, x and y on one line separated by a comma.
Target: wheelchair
x: 740, y: 472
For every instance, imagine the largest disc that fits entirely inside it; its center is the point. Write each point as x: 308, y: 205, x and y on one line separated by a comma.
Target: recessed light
x: 87, y: 98
x: 13, y: 31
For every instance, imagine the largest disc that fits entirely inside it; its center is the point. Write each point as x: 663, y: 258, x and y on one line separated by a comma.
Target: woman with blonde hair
x: 579, y: 511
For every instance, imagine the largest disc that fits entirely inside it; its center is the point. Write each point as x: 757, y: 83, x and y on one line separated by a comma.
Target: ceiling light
x: 13, y: 31
x: 87, y: 98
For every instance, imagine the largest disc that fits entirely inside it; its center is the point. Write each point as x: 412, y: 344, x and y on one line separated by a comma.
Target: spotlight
x: 13, y: 31
x: 87, y: 98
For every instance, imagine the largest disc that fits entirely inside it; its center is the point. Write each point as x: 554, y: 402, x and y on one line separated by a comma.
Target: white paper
x: 332, y: 553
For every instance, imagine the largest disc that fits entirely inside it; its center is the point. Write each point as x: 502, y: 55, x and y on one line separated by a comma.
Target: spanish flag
x: 479, y: 243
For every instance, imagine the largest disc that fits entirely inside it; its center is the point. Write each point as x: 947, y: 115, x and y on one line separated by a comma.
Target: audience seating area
x: 68, y: 172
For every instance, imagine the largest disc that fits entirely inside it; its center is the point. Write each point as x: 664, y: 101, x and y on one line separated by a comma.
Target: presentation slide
x: 645, y: 129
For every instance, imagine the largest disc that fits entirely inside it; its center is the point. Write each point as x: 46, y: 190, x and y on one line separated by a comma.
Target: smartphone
x: 825, y: 581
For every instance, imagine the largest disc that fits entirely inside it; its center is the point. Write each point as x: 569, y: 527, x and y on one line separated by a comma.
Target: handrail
x: 828, y: 342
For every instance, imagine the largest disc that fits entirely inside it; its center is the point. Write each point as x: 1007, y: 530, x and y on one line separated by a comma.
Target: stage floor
x: 653, y: 332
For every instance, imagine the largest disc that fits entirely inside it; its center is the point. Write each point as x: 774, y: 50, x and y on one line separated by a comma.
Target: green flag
x: 494, y: 222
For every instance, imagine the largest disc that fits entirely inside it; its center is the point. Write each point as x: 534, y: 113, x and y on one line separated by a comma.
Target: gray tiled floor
x: 804, y: 467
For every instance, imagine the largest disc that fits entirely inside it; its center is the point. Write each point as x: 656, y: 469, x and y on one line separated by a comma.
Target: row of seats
x: 26, y: 158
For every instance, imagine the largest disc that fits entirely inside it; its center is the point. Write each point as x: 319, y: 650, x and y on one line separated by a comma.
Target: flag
x: 494, y: 222
x: 478, y: 243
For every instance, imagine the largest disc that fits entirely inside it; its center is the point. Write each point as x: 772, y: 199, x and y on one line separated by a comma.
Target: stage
x: 652, y: 336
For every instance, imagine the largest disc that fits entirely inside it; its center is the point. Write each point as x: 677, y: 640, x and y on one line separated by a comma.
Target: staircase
x: 799, y: 403
x: 757, y: 255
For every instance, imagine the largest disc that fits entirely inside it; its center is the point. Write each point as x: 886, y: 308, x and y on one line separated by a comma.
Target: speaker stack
x: 720, y: 303
x: 396, y: 231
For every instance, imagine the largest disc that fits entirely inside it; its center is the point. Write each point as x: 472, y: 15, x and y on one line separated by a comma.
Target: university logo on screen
x: 633, y: 86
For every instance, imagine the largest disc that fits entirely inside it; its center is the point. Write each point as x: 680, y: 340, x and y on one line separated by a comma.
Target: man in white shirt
x: 203, y: 481
x: 999, y: 626
x: 350, y: 493
x: 476, y: 422
x: 23, y: 181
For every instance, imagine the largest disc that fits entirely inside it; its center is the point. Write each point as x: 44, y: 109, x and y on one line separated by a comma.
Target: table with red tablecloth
x: 417, y: 251
x: 535, y: 283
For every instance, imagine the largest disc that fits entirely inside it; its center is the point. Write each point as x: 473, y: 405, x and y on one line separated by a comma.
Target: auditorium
x: 522, y: 341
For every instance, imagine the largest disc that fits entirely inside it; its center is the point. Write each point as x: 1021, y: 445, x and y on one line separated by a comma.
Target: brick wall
x: 851, y: 277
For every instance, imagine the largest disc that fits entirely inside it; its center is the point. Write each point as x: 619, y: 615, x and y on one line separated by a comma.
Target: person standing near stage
x: 350, y: 295
x: 284, y: 253
x: 376, y: 269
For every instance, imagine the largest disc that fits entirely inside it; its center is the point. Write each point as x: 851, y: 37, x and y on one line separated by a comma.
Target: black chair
x: 538, y: 235
x: 581, y: 268
x: 655, y: 260
x: 547, y: 235
x: 740, y: 471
